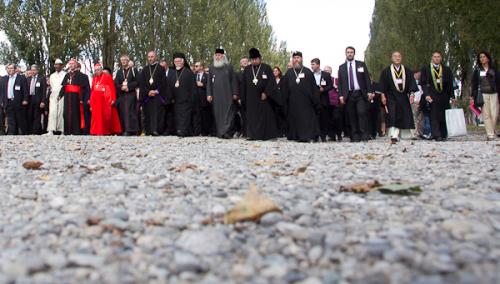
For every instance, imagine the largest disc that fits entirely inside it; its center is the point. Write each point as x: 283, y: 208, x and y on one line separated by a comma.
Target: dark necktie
x: 351, y: 78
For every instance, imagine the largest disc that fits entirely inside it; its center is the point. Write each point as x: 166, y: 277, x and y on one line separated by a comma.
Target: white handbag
x: 455, y: 122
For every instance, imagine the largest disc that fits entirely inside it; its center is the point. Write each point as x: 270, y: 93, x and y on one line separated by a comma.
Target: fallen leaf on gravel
x: 32, y: 165
x: 184, y: 167
x: 91, y: 168
x: 44, y: 178
x: 360, y: 187
x: 267, y: 163
x: 369, y: 157
x: 118, y: 165
x: 153, y: 223
x: 301, y: 170
x: 251, y: 208
x: 400, y: 188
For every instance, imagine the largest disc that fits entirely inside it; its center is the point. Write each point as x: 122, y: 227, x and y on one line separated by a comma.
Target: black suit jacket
x: 364, y: 80
x: 40, y: 89
x: 201, y: 92
x: 20, y: 95
x: 428, y: 84
x: 327, y: 84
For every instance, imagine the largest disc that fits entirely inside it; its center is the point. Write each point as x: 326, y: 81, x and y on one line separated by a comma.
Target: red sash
x: 72, y: 89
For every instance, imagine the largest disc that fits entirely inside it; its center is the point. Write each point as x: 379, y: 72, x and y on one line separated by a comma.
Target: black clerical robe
x: 398, y: 100
x: 182, y: 86
x: 260, y: 116
x: 126, y: 99
x: 153, y: 78
x: 75, y: 86
x: 441, y: 92
x: 302, y: 100
x: 222, y: 86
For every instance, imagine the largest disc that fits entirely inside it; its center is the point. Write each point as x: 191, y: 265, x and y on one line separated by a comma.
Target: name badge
x: 264, y: 76
x: 438, y: 81
x: 323, y: 83
x: 361, y: 70
x: 17, y: 88
x: 399, y: 81
x: 482, y: 73
x: 37, y: 84
x: 302, y: 75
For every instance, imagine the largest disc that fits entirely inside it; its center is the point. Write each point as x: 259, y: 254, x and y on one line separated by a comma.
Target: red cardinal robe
x: 105, y: 120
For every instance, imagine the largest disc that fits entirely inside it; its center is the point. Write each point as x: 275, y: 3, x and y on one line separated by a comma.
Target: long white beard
x: 220, y: 63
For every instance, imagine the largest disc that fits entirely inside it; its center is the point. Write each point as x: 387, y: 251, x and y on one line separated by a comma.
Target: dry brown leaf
x: 360, y: 187
x: 251, y: 208
x: 269, y: 163
x: 301, y: 170
x: 184, y: 167
x: 32, y: 165
x: 44, y: 177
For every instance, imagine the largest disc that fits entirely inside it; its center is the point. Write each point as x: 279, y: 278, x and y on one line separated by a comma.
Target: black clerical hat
x: 183, y: 56
x: 254, y: 53
x: 219, y: 50
x: 297, y: 53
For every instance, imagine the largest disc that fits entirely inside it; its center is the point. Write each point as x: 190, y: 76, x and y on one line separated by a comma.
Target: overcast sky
x: 322, y: 28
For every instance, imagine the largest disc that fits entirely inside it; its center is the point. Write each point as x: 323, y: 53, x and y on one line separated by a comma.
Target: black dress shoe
x: 439, y: 139
x: 339, y: 138
x: 155, y: 133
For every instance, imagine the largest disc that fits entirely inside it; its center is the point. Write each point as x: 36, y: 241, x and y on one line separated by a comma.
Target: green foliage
x: 41, y: 30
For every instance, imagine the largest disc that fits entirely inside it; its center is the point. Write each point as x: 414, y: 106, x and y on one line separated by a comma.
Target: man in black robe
x: 167, y: 126
x: 437, y: 83
x: 222, y: 93
x: 126, y: 82
x: 182, y: 85
x: 301, y: 97
x: 324, y: 84
x: 37, y: 85
x: 75, y: 86
x: 397, y: 86
x: 258, y: 92
x: 153, y: 94
x: 240, y: 121
x: 355, y: 90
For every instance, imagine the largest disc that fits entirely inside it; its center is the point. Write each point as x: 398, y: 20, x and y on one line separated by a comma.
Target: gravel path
x: 149, y: 210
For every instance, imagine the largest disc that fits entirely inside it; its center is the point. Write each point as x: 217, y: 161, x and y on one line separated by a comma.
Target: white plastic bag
x: 455, y: 122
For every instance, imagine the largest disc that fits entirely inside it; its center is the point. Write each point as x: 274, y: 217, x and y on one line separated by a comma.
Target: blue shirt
x: 10, y: 87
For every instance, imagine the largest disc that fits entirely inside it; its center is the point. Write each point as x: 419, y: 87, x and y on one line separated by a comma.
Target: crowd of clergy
x: 257, y: 102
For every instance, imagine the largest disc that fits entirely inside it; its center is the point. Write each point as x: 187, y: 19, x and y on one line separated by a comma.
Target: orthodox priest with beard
x: 259, y: 93
x: 153, y: 93
x: 126, y: 82
x: 182, y: 85
x: 302, y: 102
x: 222, y: 93
x: 74, y: 87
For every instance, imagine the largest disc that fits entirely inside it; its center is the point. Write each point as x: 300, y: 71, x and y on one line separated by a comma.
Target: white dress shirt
x: 10, y: 87
x: 355, y: 79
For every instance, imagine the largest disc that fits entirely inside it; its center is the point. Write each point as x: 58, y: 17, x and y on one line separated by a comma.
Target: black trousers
x: 438, y: 116
x: 16, y: 118
x: 2, y: 120
x: 326, y: 121
x: 373, y: 118
x: 34, y: 117
x: 338, y: 123
x: 357, y: 110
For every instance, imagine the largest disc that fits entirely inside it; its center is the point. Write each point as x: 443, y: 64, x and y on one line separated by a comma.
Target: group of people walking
x: 258, y: 102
